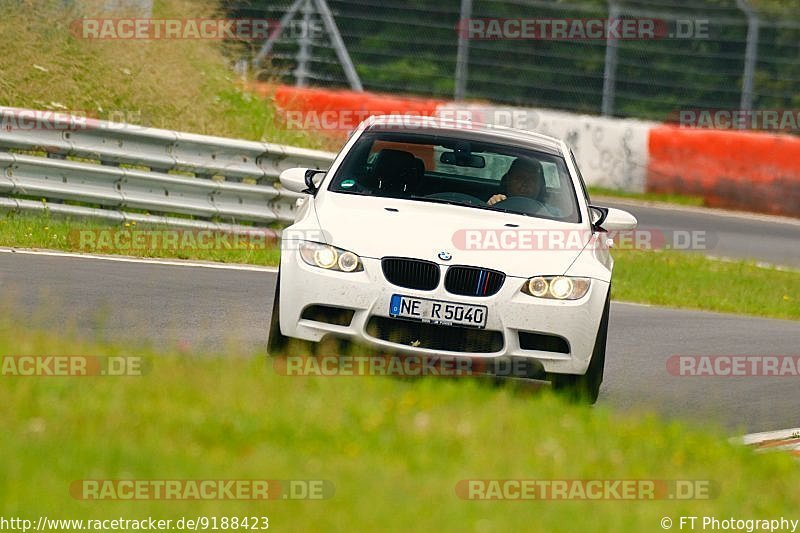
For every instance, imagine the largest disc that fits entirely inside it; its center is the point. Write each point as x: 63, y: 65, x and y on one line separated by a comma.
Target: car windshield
x: 437, y: 169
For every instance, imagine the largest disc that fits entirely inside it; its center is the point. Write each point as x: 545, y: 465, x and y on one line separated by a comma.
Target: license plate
x: 437, y: 311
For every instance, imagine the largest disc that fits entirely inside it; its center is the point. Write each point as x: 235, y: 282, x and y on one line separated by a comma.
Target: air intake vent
x: 545, y: 343
x: 328, y: 314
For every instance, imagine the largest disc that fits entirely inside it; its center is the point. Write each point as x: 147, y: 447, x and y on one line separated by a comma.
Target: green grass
x: 394, y: 449
x: 667, y: 278
x: 55, y: 233
x: 680, y: 199
x: 693, y: 281
x: 184, y: 85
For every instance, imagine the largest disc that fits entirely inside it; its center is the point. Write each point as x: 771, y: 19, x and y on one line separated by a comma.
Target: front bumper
x: 510, y: 312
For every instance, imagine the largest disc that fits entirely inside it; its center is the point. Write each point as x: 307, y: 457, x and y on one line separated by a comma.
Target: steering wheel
x: 456, y: 197
x: 521, y: 204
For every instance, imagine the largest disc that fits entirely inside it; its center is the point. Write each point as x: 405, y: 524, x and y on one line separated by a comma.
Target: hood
x: 518, y: 245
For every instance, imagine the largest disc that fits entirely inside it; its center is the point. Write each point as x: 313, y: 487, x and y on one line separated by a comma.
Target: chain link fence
x: 724, y: 54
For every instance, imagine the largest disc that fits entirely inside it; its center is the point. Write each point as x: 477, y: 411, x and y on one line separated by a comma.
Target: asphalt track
x: 226, y: 311
x: 773, y: 240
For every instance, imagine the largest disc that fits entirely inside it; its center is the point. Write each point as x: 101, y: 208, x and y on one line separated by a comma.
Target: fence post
x: 275, y: 34
x: 750, y: 55
x: 610, y: 73
x: 338, y: 45
x: 462, y: 59
x: 304, y: 47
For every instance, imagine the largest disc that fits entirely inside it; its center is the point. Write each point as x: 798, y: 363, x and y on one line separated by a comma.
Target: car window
x: 433, y: 168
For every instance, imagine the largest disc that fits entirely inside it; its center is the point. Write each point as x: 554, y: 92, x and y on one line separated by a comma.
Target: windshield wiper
x: 464, y: 204
x: 479, y: 206
x: 442, y: 201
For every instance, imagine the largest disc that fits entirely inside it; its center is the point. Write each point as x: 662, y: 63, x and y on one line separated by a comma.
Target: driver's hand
x: 496, y: 198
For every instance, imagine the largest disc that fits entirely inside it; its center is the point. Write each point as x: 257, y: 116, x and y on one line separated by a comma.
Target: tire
x: 277, y: 342
x: 586, y: 388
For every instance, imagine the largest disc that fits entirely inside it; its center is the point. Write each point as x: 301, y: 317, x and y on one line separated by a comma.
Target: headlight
x: 329, y: 257
x: 348, y: 262
x: 561, y: 288
x: 538, y: 286
x: 557, y: 287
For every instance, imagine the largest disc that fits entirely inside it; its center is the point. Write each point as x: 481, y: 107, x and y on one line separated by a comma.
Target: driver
x: 524, y: 178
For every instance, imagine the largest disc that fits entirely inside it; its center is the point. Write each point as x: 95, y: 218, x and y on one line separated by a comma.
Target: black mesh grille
x: 328, y: 314
x: 411, y: 273
x: 473, y: 281
x: 545, y: 343
x: 434, y: 336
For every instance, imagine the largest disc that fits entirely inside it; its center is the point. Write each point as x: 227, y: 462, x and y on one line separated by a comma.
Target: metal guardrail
x: 115, y: 168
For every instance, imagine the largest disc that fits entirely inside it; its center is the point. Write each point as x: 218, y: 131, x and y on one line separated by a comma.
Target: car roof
x: 465, y: 129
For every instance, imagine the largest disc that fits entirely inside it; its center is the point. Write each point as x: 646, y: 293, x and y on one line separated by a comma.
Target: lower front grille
x: 435, y: 337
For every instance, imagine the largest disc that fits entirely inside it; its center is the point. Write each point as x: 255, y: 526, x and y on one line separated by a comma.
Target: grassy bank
x: 692, y: 281
x: 679, y: 199
x: 181, y: 84
x: 393, y: 449
x: 56, y: 233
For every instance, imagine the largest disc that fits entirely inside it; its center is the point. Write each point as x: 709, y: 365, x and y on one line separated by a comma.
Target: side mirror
x: 611, y: 219
x: 300, y: 179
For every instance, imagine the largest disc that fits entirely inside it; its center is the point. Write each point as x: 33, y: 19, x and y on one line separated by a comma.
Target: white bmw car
x: 463, y: 240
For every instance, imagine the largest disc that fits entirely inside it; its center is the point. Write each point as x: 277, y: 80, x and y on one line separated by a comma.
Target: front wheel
x: 586, y: 388
x: 276, y: 344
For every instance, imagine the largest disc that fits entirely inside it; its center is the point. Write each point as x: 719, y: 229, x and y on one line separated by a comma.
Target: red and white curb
x: 787, y: 440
